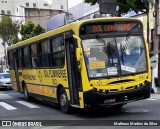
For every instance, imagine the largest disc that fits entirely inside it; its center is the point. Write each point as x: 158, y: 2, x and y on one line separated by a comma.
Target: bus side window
x: 10, y: 60
x: 44, y: 57
x: 26, y: 57
x: 34, y: 56
x: 57, y: 52
x: 20, y: 61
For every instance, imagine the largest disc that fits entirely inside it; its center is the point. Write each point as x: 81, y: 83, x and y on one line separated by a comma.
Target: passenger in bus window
x: 86, y: 55
x: 88, y: 59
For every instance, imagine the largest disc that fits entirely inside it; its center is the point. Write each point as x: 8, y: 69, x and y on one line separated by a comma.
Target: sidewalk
x: 155, y: 95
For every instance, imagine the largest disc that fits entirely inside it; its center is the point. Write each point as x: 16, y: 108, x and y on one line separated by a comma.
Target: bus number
x: 54, y: 81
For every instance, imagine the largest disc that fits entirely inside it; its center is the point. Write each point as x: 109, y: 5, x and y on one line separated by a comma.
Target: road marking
x: 27, y: 104
x: 14, y: 93
x: 136, y: 110
x: 152, y: 99
x: 7, y: 106
x: 5, y: 96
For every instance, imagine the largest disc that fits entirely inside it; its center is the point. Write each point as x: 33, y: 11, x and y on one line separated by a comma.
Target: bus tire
x: 25, y: 92
x: 63, y: 101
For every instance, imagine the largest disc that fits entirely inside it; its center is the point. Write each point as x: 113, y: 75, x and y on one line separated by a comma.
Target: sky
x: 72, y: 3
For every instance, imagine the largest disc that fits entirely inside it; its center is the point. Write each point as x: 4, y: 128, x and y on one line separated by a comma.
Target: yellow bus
x: 102, y: 61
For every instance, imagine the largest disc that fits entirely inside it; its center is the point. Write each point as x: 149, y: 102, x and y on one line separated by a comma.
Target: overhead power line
x: 24, y: 16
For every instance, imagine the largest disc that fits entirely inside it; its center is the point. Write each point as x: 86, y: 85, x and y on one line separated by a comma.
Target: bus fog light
x: 106, y: 91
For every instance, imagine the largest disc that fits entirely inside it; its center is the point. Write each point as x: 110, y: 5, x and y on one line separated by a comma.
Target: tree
x: 127, y: 5
x: 30, y: 30
x: 8, y: 30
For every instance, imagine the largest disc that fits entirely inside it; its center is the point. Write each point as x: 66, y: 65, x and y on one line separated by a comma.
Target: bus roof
x: 65, y: 28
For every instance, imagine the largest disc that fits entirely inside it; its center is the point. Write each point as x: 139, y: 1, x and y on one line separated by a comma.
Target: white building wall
x: 11, y: 5
x: 6, y: 5
x: 17, y: 10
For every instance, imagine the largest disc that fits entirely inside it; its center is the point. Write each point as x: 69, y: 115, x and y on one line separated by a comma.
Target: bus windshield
x: 114, y: 56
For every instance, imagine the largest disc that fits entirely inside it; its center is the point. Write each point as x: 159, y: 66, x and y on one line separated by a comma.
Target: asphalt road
x: 13, y: 107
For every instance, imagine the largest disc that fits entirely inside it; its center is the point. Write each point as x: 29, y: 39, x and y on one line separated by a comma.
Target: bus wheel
x: 25, y: 92
x: 63, y: 101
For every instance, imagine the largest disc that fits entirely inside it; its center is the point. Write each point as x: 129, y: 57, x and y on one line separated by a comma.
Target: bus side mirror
x: 78, y: 50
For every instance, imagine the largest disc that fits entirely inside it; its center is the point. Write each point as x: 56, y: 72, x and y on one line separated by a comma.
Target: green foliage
x: 93, y: 2
x: 30, y: 30
x: 127, y: 5
x: 133, y: 5
x: 8, y: 30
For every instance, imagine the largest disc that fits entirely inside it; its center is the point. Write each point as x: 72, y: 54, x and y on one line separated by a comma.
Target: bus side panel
x: 13, y: 80
x: 44, y: 82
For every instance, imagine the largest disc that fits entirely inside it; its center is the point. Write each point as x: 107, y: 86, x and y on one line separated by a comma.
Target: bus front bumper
x: 95, y: 98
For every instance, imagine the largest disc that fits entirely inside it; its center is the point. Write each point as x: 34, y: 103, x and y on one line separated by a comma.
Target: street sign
x: 154, y: 61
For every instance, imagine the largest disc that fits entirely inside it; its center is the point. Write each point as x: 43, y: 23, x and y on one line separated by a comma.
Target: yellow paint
x: 44, y: 82
x: 97, y: 65
x: 81, y: 99
x: 68, y: 94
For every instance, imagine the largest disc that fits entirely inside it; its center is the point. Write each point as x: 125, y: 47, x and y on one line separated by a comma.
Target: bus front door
x: 73, y: 75
x: 16, y: 71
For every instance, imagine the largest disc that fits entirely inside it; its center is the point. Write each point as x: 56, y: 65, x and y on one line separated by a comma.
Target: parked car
x: 5, y: 81
x: 6, y: 71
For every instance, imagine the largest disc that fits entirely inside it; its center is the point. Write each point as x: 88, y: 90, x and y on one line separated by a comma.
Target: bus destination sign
x: 110, y: 27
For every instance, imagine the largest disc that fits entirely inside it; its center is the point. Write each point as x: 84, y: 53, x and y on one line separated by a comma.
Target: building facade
x: 37, y: 11
x: 10, y: 6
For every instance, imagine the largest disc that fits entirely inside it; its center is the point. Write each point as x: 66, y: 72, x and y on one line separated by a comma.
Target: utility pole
x: 156, y: 44
x: 67, y: 13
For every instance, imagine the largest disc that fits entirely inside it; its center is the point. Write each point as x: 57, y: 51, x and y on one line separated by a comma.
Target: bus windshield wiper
x: 128, y: 35
x: 132, y: 29
x: 122, y: 52
x: 100, y: 39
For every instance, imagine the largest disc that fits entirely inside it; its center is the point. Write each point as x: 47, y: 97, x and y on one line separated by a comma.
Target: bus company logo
x: 99, y: 83
x: 122, y: 87
x: 40, y: 76
x: 6, y: 123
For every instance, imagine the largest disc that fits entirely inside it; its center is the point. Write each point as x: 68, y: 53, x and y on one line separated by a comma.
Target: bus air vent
x: 113, y: 90
x: 121, y: 81
x: 131, y: 87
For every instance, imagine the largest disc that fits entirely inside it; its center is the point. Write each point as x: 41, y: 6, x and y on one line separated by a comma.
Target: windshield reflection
x: 114, y: 56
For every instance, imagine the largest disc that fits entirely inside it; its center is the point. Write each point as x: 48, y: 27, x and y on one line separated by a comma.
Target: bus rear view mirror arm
x: 78, y: 39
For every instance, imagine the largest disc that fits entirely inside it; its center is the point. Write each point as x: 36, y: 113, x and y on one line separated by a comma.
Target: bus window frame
x: 51, y: 50
x: 90, y: 36
x: 49, y: 39
x: 11, y: 61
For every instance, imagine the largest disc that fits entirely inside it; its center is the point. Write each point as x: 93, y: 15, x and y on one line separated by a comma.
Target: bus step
x: 75, y: 106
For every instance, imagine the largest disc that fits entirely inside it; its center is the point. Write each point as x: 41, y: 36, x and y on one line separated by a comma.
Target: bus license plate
x: 109, y: 100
